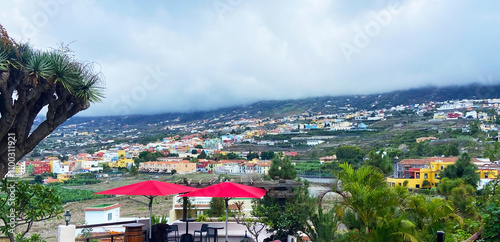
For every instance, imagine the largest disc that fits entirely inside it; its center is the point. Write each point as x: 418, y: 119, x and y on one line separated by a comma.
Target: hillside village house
x: 181, y: 167
x: 416, y: 171
x: 328, y: 159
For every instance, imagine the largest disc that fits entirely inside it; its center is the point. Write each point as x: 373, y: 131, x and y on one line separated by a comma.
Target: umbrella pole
x: 227, y: 208
x: 150, y: 205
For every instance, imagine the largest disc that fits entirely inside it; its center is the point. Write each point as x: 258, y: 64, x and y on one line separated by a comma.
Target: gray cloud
x: 206, y: 57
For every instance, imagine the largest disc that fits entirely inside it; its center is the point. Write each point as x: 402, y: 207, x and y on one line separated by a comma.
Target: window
x: 441, y: 167
x: 436, y: 176
x: 110, y: 216
x: 485, y: 175
x: 425, y: 176
x: 417, y: 186
x: 399, y: 184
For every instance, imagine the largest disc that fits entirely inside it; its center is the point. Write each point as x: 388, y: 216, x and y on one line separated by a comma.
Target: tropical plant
x: 323, y: 226
x: 286, y: 218
x: 201, y: 218
x: 381, y: 161
x: 32, y: 81
x: 431, y: 215
x: 24, y: 204
x: 369, y: 208
x: 254, y: 225
x: 162, y: 219
x: 463, y: 168
x: 33, y: 238
x: 489, y: 206
x: 217, y: 207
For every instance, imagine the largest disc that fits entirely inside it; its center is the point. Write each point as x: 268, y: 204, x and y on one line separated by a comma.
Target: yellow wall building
x: 488, y: 173
x: 181, y: 167
x: 62, y: 177
x: 417, y: 176
x: 120, y: 163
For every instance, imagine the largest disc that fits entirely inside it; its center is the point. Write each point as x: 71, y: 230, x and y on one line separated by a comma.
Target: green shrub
x: 201, y: 218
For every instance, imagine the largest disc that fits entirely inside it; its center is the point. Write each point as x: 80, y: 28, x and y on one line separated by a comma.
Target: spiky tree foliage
x: 323, y: 226
x: 31, y: 80
x: 431, y: 215
x: 369, y: 208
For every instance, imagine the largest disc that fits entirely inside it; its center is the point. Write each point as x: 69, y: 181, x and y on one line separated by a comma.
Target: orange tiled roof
x: 443, y: 159
x: 264, y: 163
x: 427, y: 161
x: 103, y: 208
x: 414, y: 162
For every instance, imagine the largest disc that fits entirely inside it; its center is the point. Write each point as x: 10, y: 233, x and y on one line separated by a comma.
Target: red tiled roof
x: 414, y: 162
x: 427, y: 161
x: 443, y: 159
x: 103, y: 208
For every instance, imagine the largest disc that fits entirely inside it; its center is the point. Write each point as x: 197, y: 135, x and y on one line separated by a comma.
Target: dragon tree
x: 34, y: 83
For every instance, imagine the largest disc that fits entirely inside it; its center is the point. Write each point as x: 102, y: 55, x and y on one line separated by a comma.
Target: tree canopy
x: 350, y: 154
x: 31, y: 80
x: 30, y: 203
x: 282, y: 167
x: 381, y: 161
x: 463, y: 168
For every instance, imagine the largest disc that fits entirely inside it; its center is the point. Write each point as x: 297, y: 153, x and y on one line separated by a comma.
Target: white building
x: 102, y: 213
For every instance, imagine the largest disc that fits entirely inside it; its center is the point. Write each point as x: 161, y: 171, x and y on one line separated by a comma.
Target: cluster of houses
x: 176, y: 151
x: 424, y: 173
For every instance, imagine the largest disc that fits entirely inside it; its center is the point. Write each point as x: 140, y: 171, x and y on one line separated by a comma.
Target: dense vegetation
x: 74, y: 194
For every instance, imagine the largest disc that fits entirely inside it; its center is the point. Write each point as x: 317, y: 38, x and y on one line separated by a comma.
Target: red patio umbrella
x: 227, y: 190
x: 149, y: 189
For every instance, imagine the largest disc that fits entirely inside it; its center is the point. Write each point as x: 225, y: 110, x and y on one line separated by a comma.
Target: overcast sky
x: 197, y: 55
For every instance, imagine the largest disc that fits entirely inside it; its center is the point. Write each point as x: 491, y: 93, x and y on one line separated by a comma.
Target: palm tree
x: 31, y: 80
x: 323, y: 226
x: 370, y: 208
x: 431, y: 215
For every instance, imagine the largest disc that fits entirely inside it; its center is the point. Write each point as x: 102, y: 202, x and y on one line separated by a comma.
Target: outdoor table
x: 187, y: 237
x: 215, y: 228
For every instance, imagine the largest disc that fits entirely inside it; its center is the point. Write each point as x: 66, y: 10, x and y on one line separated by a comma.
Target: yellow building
x: 62, y: 177
x: 181, y: 167
x: 120, y: 163
x: 421, y: 139
x: 262, y: 167
x: 488, y: 173
x: 121, y: 153
x: 417, y: 176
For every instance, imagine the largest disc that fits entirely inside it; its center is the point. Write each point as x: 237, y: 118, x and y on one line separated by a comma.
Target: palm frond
x: 90, y: 86
x: 4, y: 64
x: 64, y: 70
x: 38, y: 67
x: 406, y: 236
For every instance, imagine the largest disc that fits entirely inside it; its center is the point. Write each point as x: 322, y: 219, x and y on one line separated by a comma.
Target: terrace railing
x: 118, y: 237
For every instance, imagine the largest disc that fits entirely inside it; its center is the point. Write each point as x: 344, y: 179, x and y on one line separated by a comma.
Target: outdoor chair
x: 204, y: 229
x: 173, y: 228
x: 211, y: 233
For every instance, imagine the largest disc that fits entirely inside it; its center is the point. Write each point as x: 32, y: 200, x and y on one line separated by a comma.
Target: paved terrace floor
x: 236, y: 232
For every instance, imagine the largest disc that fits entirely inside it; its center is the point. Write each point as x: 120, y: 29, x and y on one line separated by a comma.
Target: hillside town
x: 201, y: 150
